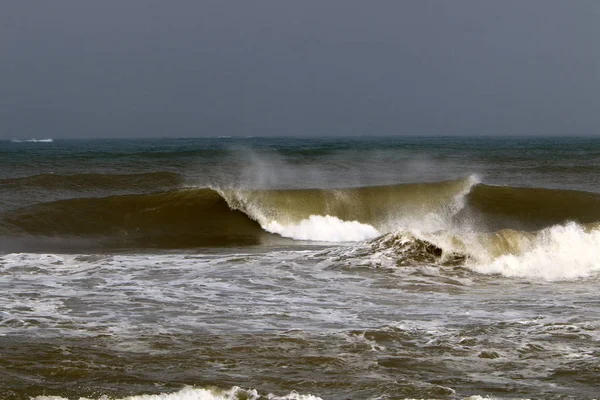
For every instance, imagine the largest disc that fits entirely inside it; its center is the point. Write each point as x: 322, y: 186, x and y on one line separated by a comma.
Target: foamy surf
x: 561, y: 252
x: 192, y: 393
x: 235, y: 393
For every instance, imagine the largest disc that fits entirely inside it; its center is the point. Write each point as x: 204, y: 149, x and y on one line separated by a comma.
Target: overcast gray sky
x: 136, y: 68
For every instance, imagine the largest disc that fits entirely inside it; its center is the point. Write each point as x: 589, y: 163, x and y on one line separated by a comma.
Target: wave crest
x: 351, y: 214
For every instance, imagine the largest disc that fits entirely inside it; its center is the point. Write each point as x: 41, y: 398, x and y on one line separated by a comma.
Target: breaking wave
x: 208, y: 217
x: 311, y: 212
x: 521, y: 232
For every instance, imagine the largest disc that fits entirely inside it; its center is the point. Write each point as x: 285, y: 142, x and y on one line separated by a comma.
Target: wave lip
x: 350, y: 214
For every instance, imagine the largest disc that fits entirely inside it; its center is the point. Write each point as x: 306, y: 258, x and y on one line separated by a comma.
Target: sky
x: 148, y: 68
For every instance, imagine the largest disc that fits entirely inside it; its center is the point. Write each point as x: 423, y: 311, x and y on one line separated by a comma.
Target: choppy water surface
x: 300, y: 269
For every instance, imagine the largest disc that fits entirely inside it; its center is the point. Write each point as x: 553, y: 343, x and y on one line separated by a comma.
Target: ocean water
x: 280, y: 268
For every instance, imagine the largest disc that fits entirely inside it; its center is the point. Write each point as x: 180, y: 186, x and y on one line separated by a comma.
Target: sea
x: 300, y: 268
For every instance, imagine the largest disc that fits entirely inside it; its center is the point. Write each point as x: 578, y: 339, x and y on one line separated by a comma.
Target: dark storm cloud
x: 205, y: 68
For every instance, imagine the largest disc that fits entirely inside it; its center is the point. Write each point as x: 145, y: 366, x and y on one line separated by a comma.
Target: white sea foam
x: 235, y: 393
x: 191, y: 393
x: 561, y: 252
x: 32, y: 140
x: 324, y: 229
